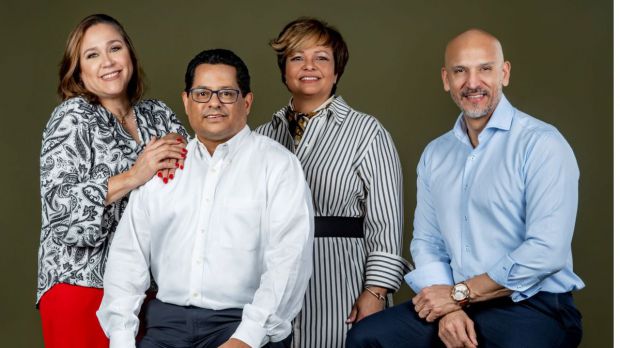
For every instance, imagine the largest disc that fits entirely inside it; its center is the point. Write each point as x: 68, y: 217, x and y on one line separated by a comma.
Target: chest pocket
x: 240, y: 220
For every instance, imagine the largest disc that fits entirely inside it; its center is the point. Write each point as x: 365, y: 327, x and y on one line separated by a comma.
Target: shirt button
x: 195, y: 294
x: 202, y: 231
x: 466, y: 218
x: 208, y: 199
x: 198, y: 262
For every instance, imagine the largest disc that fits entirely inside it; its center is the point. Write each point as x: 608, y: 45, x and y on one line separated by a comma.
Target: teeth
x: 309, y: 78
x: 110, y: 75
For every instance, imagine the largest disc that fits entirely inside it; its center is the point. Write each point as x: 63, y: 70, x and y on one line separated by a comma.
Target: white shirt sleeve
x: 127, y: 275
x: 287, y: 262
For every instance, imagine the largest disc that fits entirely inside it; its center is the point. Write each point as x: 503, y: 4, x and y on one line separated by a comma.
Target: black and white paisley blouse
x: 83, y: 146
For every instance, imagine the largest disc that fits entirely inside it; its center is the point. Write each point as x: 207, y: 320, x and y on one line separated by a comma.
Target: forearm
x: 377, y: 290
x: 120, y: 185
x: 483, y: 288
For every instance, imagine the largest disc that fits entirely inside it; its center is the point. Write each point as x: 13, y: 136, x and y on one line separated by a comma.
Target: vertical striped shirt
x: 353, y: 170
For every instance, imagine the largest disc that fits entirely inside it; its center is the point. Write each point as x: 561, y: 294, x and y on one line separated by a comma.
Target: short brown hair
x: 304, y: 31
x: 70, y: 82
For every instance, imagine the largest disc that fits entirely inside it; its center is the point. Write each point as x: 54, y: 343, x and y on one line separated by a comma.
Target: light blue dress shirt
x: 506, y: 208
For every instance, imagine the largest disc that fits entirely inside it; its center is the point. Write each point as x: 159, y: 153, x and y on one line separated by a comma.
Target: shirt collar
x: 318, y: 109
x: 500, y: 119
x: 228, y: 148
x: 335, y: 106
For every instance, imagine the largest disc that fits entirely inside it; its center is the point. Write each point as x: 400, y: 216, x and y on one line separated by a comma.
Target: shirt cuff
x: 500, y: 273
x: 251, y: 333
x: 122, y: 339
x: 434, y: 273
x: 385, y: 270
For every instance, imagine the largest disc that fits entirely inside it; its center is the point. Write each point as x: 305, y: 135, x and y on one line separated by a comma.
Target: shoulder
x: 153, y: 106
x: 531, y: 125
x: 440, y: 147
x: 265, y: 128
x: 535, y: 132
x: 77, y: 106
x: 358, y: 121
x: 542, y: 144
x: 271, y: 125
x: 70, y: 113
x: 269, y: 147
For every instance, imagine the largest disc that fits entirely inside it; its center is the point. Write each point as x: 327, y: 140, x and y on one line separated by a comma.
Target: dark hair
x: 306, y: 31
x: 70, y: 82
x: 219, y: 56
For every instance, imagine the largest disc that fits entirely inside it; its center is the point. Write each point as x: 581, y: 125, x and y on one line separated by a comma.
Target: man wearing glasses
x: 228, y: 241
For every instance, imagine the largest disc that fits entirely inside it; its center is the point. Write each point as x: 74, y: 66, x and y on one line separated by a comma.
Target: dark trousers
x: 544, y: 320
x: 169, y: 325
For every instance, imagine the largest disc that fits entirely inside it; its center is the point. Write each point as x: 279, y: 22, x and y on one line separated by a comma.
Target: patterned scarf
x: 297, y: 122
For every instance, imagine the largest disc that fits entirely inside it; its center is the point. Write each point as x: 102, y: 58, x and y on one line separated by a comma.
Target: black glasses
x: 225, y: 96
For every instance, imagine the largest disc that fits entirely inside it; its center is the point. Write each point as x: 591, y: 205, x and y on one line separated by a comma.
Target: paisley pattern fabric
x: 83, y: 146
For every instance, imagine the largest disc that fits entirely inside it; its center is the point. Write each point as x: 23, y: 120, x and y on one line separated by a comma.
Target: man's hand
x: 434, y: 302
x: 366, y: 305
x: 234, y: 343
x: 456, y: 329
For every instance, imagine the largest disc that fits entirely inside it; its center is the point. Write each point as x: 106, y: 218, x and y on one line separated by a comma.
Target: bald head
x: 472, y: 40
x: 474, y: 73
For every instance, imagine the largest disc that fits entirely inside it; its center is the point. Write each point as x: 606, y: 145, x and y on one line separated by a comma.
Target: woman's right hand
x: 156, y: 157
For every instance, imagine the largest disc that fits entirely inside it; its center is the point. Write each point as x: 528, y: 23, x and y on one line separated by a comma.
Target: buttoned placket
x: 313, y: 128
x: 215, y: 166
x: 471, y: 164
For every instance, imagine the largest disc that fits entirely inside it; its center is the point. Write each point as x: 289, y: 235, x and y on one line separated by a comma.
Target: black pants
x: 544, y: 320
x: 169, y: 325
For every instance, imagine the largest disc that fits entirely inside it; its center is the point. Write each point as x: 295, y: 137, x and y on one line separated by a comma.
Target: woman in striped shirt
x: 354, y: 173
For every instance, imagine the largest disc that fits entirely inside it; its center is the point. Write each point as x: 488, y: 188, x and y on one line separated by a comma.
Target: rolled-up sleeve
x: 382, y: 175
x: 551, y: 190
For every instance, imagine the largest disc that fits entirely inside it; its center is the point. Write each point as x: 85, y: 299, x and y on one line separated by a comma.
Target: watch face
x: 460, y: 293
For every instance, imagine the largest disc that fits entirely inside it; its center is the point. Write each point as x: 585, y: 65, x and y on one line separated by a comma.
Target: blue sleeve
x: 551, y: 189
x: 431, y: 258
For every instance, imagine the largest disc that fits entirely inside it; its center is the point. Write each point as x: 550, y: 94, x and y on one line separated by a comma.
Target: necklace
x: 129, y: 115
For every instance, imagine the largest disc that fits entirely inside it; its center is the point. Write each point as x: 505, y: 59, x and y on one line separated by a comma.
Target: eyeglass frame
x: 214, y: 92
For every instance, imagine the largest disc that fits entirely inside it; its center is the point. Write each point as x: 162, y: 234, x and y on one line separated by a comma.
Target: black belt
x: 338, y: 226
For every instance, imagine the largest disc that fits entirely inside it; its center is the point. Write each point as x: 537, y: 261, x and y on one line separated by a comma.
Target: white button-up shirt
x: 232, y: 230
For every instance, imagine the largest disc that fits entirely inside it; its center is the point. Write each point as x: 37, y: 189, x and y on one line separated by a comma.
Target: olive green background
x: 561, y: 54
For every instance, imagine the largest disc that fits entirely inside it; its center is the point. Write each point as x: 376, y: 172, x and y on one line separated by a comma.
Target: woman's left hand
x: 168, y: 174
x: 366, y: 305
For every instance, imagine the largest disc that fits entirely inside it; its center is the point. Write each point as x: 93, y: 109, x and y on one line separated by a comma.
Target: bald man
x: 496, y: 208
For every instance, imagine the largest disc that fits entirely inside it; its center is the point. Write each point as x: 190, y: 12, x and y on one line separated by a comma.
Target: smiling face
x: 475, y: 72
x: 215, y: 122
x: 310, y: 73
x: 105, y: 63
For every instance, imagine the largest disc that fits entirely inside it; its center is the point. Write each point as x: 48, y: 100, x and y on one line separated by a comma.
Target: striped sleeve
x: 382, y: 176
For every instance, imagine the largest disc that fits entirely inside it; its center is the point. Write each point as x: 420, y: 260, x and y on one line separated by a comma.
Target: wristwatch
x: 460, y: 294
